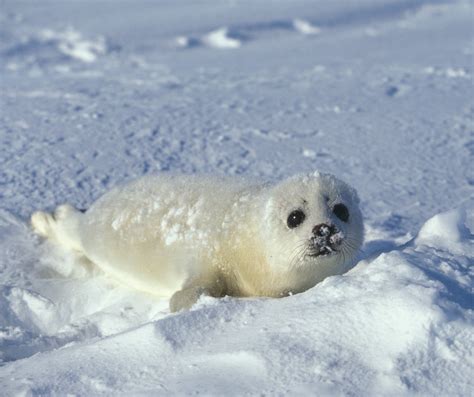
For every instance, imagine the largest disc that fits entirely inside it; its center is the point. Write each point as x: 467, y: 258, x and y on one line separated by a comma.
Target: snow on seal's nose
x: 326, y: 237
x: 323, y: 230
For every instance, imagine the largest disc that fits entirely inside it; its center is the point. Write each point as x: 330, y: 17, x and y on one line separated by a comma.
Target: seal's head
x: 313, y: 225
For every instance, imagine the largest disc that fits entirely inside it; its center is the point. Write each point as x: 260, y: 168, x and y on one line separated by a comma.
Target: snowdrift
x: 399, y: 322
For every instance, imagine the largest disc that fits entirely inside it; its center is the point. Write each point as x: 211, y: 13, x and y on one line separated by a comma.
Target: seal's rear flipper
x: 61, y: 227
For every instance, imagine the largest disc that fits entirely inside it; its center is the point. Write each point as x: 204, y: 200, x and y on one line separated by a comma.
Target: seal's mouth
x: 325, y: 243
x: 323, y: 251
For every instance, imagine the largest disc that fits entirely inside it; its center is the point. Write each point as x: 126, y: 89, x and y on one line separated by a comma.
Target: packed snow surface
x: 379, y: 93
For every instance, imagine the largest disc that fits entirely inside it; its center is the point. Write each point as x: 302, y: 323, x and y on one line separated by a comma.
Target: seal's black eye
x: 295, y: 219
x: 341, y: 211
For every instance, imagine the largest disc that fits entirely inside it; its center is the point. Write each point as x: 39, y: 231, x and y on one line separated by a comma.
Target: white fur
x: 159, y: 232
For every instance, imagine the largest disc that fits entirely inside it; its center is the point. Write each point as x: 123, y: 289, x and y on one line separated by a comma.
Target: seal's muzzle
x: 325, y: 239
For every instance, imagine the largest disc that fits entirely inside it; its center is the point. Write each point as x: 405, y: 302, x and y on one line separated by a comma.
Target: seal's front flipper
x: 185, y: 298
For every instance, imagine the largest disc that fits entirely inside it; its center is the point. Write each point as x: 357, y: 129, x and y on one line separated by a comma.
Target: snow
x: 305, y: 27
x: 220, y: 39
x: 71, y: 43
x: 377, y: 92
x: 445, y: 230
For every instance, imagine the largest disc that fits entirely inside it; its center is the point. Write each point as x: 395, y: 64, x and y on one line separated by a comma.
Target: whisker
x: 299, y: 256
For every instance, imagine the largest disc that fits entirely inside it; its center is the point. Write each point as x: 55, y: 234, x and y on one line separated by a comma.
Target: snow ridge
x: 397, y: 319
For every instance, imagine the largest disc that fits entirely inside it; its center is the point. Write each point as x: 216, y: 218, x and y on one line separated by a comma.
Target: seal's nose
x: 324, y: 230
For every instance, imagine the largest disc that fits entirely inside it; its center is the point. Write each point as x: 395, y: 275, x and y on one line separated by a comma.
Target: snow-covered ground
x: 378, y: 92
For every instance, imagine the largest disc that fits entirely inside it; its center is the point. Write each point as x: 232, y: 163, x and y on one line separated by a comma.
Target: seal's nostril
x: 322, y: 230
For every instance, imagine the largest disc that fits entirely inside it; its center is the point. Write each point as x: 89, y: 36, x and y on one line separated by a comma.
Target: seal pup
x: 184, y: 236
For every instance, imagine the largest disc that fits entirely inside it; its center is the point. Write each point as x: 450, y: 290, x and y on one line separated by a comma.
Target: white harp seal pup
x: 184, y: 236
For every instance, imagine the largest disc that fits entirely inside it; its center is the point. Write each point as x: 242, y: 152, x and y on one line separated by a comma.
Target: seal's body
x: 193, y: 235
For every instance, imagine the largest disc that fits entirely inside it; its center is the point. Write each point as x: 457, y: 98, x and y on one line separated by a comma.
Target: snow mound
x: 52, y: 47
x: 305, y: 27
x: 71, y: 43
x: 399, y: 322
x: 234, y: 37
x: 446, y: 231
x: 220, y: 39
